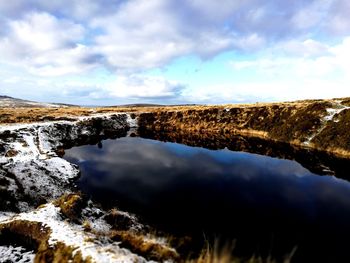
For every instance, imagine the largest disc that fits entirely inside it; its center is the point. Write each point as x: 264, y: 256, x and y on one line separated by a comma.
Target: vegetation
x: 145, y: 246
x: 217, y: 253
x: 71, y: 205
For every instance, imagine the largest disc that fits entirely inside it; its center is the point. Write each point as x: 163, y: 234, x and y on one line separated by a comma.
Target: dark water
x: 268, y: 205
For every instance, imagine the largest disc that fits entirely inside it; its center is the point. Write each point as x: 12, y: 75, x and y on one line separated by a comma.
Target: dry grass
x: 290, y: 122
x: 27, y: 115
x: 216, y: 254
x: 145, y: 246
x: 225, y: 254
x: 36, y: 236
x: 71, y: 205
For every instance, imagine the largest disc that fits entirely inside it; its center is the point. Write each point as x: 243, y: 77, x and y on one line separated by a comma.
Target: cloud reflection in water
x: 243, y: 195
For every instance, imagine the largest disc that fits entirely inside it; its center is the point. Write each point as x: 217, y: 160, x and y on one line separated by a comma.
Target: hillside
x: 10, y: 102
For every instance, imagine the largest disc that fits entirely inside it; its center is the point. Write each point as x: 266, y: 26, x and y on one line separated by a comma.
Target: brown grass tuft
x: 144, y: 246
x: 225, y: 254
x: 71, y: 205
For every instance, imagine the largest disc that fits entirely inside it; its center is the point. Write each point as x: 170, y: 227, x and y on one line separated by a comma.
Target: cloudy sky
x: 174, y: 51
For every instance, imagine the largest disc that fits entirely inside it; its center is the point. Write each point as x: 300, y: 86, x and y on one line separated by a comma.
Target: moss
x: 141, y: 245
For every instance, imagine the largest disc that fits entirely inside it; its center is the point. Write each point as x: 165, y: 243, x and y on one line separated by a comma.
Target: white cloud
x: 51, y: 40
x: 282, y: 90
x: 40, y: 32
x: 309, y: 58
x: 147, y: 34
x: 306, y: 48
x: 95, y: 88
x: 46, y: 46
x: 137, y: 35
x: 338, y: 20
x: 311, y: 15
x: 326, y: 75
x: 149, y: 87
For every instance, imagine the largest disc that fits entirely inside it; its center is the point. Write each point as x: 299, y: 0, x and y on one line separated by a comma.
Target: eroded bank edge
x: 32, y: 173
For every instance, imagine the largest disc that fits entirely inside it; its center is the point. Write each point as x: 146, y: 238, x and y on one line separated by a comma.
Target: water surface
x: 268, y: 205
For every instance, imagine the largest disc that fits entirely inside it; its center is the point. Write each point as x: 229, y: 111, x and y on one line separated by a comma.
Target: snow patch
x: 331, y: 113
x: 5, y: 216
x: 29, y: 153
x: 35, y: 172
x: 100, y: 250
x: 133, y: 125
x: 11, y: 254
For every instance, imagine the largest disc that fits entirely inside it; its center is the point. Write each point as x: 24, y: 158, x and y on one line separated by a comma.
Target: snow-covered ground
x: 31, y: 172
x: 99, y: 249
x: 16, y: 254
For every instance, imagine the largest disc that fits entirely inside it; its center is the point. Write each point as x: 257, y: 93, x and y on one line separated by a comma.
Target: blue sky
x: 166, y: 51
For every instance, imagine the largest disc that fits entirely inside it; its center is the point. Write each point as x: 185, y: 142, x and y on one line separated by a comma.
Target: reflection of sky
x: 150, y: 173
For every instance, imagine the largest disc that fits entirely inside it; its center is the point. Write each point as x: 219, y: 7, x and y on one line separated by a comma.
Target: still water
x: 269, y: 206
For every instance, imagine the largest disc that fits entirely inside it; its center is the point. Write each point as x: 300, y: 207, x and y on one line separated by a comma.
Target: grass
x: 71, y: 205
x: 36, y: 236
x: 27, y: 115
x: 217, y: 253
x: 145, y: 246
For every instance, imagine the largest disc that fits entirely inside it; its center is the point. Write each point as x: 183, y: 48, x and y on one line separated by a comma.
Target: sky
x: 110, y: 52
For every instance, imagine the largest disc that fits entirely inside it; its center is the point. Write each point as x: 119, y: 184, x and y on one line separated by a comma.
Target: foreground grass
x: 225, y: 254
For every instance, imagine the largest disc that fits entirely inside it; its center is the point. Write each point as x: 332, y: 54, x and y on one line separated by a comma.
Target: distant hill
x: 151, y: 105
x: 10, y: 102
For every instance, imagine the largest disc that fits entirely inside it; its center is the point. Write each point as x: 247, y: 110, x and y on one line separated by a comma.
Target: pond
x: 269, y: 206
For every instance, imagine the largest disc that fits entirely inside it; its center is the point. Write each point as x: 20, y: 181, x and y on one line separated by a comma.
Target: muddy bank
x: 321, y: 125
